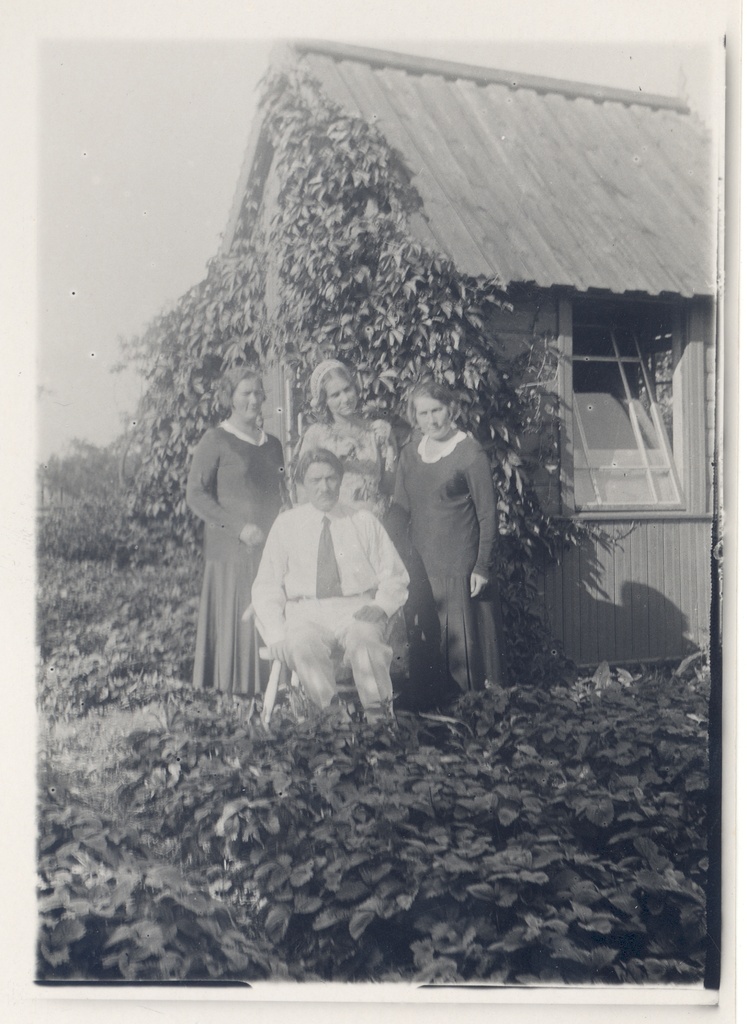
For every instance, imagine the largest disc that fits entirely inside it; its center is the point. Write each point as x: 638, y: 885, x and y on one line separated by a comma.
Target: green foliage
x: 112, y: 638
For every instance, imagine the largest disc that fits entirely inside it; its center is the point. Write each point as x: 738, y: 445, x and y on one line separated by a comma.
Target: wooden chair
x: 279, y: 671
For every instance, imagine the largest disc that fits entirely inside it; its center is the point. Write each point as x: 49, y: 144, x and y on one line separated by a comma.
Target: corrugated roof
x: 530, y: 179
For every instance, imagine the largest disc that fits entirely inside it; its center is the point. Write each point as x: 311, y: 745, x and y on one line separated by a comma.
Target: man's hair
x: 317, y: 455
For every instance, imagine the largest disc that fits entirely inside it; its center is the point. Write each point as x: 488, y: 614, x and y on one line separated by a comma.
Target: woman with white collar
x: 236, y: 486
x: 445, y: 489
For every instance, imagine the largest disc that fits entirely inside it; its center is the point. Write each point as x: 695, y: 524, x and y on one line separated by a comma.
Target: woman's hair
x: 317, y: 455
x: 428, y: 389
x: 321, y: 389
x: 231, y: 380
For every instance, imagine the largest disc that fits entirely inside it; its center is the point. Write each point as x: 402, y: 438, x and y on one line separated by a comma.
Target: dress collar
x: 442, y: 449
x: 242, y: 436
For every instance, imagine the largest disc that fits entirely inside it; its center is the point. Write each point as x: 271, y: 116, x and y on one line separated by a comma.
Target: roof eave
x: 512, y: 79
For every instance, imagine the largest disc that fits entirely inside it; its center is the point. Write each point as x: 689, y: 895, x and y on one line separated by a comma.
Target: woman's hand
x: 251, y: 535
x: 477, y: 584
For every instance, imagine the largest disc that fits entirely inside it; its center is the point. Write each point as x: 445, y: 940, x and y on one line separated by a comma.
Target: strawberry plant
x: 532, y: 836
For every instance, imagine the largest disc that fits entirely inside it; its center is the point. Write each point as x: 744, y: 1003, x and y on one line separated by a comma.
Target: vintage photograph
x: 378, y: 504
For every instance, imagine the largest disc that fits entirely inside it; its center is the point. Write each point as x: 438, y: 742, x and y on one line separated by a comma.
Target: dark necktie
x: 327, y: 572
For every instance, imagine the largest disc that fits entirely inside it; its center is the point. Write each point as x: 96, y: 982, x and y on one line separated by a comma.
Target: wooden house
x: 597, y: 207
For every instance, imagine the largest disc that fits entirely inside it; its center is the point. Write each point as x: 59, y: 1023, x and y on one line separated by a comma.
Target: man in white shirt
x: 330, y: 578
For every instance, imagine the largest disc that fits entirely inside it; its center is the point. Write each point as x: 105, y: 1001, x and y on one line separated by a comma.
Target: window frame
x: 646, y: 467
x: 688, y: 448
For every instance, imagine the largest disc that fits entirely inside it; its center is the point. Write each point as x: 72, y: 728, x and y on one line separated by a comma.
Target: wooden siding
x: 637, y: 591
x: 710, y: 396
x: 565, y: 403
x: 690, y: 397
x: 274, y: 413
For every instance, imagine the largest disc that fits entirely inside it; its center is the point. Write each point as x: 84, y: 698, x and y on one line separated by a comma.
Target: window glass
x: 622, y: 416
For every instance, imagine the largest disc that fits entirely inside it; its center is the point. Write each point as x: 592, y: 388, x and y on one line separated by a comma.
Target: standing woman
x: 236, y: 486
x: 366, y: 447
x: 444, y: 488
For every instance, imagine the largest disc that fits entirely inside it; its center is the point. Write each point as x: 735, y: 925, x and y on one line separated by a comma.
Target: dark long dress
x: 451, y: 509
x: 231, y: 482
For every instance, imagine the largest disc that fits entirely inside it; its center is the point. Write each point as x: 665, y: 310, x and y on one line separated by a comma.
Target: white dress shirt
x: 367, y: 560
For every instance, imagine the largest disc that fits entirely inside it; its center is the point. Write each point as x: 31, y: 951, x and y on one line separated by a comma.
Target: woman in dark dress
x: 444, y: 488
x: 236, y: 486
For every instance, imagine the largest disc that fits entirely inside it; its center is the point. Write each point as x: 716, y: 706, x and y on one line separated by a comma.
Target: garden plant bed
x: 552, y: 832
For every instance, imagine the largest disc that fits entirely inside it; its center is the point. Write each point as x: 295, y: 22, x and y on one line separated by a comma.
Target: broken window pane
x: 622, y: 417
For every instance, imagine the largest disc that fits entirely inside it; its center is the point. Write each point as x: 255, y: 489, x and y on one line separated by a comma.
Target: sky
x: 140, y: 142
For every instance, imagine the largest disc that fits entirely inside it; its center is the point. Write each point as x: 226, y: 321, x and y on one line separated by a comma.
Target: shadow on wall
x: 609, y: 619
x: 602, y: 612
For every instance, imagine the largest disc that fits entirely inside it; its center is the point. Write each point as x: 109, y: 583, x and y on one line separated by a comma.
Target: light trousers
x: 315, y: 628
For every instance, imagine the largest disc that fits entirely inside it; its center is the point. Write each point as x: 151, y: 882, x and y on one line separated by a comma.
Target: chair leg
x: 271, y: 692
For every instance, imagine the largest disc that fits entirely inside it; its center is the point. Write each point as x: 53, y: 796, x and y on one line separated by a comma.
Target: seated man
x: 330, y: 577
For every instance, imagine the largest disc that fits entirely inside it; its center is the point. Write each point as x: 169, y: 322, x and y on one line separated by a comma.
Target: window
x: 622, y: 411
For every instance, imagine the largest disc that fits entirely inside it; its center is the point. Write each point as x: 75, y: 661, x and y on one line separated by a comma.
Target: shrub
x: 102, y: 529
x: 87, y: 529
x: 84, y: 470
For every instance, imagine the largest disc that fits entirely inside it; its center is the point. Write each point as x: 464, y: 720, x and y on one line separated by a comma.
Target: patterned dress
x: 232, y: 482
x: 450, y: 506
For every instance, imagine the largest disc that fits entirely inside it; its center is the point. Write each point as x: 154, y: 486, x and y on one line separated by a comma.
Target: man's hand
x: 371, y: 613
x: 477, y: 584
x: 251, y: 535
x: 276, y: 651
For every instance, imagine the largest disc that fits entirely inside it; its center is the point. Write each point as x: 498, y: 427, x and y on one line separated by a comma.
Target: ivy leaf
x: 305, y: 904
x: 360, y: 920
x: 601, y: 924
x: 600, y: 812
x: 507, y: 814
x: 302, y: 873
x: 585, y: 892
x: 350, y: 890
x: 482, y: 891
x: 277, y: 921
x: 371, y: 876
x: 329, y: 917
x: 231, y: 808
x: 65, y: 933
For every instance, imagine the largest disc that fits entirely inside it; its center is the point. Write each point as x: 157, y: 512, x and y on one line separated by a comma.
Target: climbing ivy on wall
x: 331, y: 268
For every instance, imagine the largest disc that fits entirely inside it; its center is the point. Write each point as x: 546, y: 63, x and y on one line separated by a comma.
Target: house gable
x: 569, y: 195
